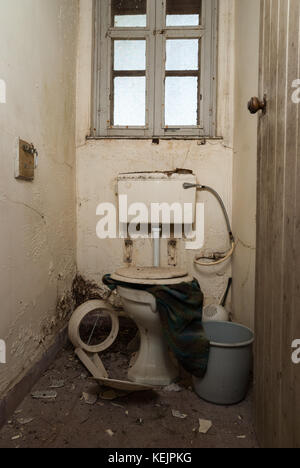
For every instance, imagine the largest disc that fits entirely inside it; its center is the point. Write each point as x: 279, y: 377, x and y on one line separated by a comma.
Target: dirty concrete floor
x: 139, y: 420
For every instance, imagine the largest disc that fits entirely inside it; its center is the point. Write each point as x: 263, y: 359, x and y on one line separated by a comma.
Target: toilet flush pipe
x: 156, y: 246
x: 228, y: 255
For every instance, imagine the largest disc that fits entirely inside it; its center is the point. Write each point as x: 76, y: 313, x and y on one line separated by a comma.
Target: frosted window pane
x: 129, y: 13
x: 130, y: 55
x: 182, y: 54
x: 181, y: 101
x: 183, y: 12
x: 183, y: 20
x: 130, y: 21
x: 130, y: 101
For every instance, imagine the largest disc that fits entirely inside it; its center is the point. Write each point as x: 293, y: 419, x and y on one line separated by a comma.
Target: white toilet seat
x: 150, y: 276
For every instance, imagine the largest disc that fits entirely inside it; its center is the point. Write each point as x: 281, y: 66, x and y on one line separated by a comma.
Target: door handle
x: 255, y: 105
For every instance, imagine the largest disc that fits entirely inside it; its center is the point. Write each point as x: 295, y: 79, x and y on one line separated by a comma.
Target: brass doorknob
x: 255, y: 105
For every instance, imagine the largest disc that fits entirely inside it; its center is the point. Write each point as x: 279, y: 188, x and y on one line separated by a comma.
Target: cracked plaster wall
x: 38, y: 40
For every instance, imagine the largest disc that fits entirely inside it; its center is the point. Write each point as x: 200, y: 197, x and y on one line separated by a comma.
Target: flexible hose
x: 229, y: 254
x: 224, y: 298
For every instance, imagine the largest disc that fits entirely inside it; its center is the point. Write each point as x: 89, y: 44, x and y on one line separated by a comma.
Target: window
x: 155, y: 68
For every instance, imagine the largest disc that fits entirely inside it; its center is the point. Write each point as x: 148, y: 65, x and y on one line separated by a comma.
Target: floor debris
x: 173, y: 388
x: 90, y: 398
x: 110, y: 432
x: 204, y: 426
x: 40, y: 395
x: 139, y: 421
x: 118, y: 406
x: 25, y: 421
x: 57, y: 384
x: 67, y: 422
x: 178, y: 415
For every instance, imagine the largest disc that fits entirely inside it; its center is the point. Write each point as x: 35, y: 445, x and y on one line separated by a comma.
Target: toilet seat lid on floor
x: 152, y: 275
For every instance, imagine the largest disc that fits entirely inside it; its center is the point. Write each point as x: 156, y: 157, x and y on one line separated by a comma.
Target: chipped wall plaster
x: 38, y: 41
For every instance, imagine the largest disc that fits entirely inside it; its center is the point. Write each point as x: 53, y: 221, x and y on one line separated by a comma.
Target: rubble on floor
x: 85, y: 415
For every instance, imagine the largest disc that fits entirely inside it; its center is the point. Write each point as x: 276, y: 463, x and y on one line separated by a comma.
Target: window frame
x: 156, y: 33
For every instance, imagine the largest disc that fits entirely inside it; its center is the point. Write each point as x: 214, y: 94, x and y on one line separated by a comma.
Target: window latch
x: 159, y: 31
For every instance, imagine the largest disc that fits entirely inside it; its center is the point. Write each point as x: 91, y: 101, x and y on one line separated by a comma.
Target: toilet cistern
x: 162, y: 205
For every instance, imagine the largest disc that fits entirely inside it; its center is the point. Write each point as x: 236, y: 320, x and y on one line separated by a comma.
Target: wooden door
x: 277, y: 378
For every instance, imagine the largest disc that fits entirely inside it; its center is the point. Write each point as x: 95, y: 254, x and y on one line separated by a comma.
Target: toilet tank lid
x: 185, y: 174
x: 151, y: 273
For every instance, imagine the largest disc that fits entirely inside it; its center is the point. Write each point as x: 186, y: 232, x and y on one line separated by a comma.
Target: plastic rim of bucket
x: 242, y: 344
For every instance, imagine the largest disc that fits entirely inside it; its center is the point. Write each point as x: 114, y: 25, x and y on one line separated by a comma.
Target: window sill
x: 156, y: 139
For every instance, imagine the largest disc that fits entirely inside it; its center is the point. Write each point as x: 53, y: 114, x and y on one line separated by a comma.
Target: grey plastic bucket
x: 230, y: 363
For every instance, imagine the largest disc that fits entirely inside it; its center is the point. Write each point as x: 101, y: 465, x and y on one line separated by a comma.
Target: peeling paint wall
x: 38, y: 40
x: 247, y: 36
x: 100, y: 162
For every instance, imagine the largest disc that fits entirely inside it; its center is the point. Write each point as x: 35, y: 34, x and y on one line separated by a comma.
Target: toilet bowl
x: 154, y: 364
x: 166, y: 207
